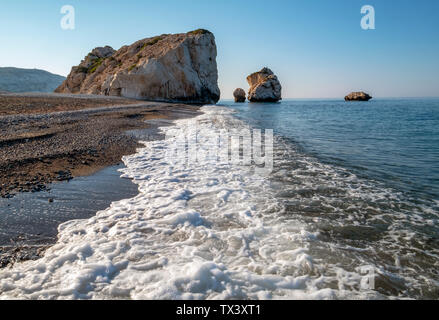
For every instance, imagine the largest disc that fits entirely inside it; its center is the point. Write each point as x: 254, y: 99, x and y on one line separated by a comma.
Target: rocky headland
x: 167, y: 68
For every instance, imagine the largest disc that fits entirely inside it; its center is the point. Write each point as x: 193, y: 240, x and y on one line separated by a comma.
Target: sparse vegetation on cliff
x: 95, y: 65
x: 151, y: 42
x: 199, y: 31
x: 132, y: 67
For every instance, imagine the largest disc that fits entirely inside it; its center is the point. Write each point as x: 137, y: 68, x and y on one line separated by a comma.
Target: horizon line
x: 337, y: 98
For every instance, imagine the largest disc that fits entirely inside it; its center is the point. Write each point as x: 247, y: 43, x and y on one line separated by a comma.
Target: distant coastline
x: 18, y: 80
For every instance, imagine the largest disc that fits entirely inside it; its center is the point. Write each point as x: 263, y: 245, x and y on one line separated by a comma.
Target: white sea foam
x: 195, y: 231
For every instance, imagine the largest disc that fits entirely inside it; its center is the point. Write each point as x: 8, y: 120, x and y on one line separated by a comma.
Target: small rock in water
x: 239, y: 95
x: 358, y: 96
x: 50, y: 200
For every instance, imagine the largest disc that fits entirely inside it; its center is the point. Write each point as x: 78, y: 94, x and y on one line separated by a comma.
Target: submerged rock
x: 264, y: 87
x: 358, y: 96
x: 239, y: 95
x: 170, y: 68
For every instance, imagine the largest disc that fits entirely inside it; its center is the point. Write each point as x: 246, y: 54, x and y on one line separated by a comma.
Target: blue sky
x: 316, y: 47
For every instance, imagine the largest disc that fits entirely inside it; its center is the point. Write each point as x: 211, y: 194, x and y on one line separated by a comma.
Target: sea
x: 348, y: 210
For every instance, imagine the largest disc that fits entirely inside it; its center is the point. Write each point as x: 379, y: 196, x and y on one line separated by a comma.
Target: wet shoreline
x: 30, y: 222
x: 40, y: 148
x: 63, y: 165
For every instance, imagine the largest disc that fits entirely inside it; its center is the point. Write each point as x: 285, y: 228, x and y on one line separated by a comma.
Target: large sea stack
x: 170, y: 68
x: 358, y: 96
x: 264, y: 87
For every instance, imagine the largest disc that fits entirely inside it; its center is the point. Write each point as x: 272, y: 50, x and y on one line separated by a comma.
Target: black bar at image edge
x: 229, y: 309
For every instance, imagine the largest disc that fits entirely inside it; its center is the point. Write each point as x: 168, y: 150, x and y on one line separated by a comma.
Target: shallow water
x: 365, y: 178
x: 29, y: 218
x: 395, y: 141
x: 209, y: 230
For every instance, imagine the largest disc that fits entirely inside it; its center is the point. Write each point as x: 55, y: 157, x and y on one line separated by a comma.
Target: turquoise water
x: 395, y: 141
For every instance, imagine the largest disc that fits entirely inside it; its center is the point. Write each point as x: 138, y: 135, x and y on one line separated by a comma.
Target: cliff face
x: 171, y: 68
x: 28, y: 80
